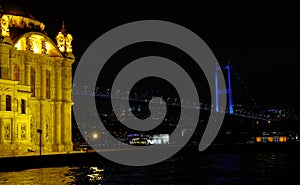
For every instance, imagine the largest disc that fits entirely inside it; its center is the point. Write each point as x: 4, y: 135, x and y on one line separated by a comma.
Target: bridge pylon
x: 228, y: 89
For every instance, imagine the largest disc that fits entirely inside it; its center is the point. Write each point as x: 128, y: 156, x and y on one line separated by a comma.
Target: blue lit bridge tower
x: 227, y: 91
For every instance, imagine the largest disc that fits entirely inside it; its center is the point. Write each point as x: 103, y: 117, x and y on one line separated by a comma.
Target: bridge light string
x: 238, y: 78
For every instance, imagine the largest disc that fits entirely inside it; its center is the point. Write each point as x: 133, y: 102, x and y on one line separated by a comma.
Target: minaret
x: 64, y: 101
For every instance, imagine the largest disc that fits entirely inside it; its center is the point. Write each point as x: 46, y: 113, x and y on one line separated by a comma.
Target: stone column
x: 1, y: 131
x: 38, y: 84
x: 27, y: 74
x: 14, y: 130
x: 22, y: 75
x: 57, y: 106
x: 4, y: 57
x: 57, y: 127
x: 67, y: 80
x: 43, y: 114
x: 52, y: 125
x: 67, y: 104
x: 2, y: 102
x: 58, y: 83
x: 64, y: 74
x: 43, y: 84
x: 28, y: 129
x: 67, y: 126
x: 38, y: 122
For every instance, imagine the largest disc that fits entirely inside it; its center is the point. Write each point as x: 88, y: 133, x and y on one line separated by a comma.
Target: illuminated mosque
x: 35, y: 85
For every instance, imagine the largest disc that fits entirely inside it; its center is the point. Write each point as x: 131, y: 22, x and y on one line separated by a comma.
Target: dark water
x: 185, y: 168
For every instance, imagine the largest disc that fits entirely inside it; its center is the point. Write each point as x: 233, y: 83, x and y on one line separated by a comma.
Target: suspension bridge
x: 231, y: 109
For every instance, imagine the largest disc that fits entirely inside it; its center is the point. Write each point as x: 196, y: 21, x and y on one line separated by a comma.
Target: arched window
x: 47, y: 84
x: 23, y: 106
x: 32, y: 82
x: 8, y: 103
x: 16, y: 72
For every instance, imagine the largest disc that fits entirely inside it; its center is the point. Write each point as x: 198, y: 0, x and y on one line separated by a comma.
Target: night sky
x: 262, y: 44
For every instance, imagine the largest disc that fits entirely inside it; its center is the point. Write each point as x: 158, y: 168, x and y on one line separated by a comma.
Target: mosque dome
x: 14, y: 7
x: 19, y: 28
x: 17, y: 20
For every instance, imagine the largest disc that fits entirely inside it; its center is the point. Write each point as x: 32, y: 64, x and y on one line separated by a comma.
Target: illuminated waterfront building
x: 35, y: 84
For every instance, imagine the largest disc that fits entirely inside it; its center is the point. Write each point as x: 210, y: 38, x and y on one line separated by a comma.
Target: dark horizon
x: 261, y: 44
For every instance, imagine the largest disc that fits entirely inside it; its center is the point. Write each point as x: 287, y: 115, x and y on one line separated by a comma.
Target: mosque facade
x: 35, y: 85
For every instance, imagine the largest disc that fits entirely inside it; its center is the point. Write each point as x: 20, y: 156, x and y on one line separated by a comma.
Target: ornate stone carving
x: 44, y: 48
x: 64, y: 40
x: 29, y: 44
x: 60, y: 39
x: 47, y: 129
x: 32, y: 129
x: 5, y: 25
x: 23, y: 132
x: 7, y: 129
x: 69, y: 39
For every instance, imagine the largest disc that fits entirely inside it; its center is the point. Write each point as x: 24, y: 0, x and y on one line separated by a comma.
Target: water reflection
x: 59, y: 175
x: 274, y: 166
x: 88, y: 175
x: 216, y: 168
x: 95, y: 174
